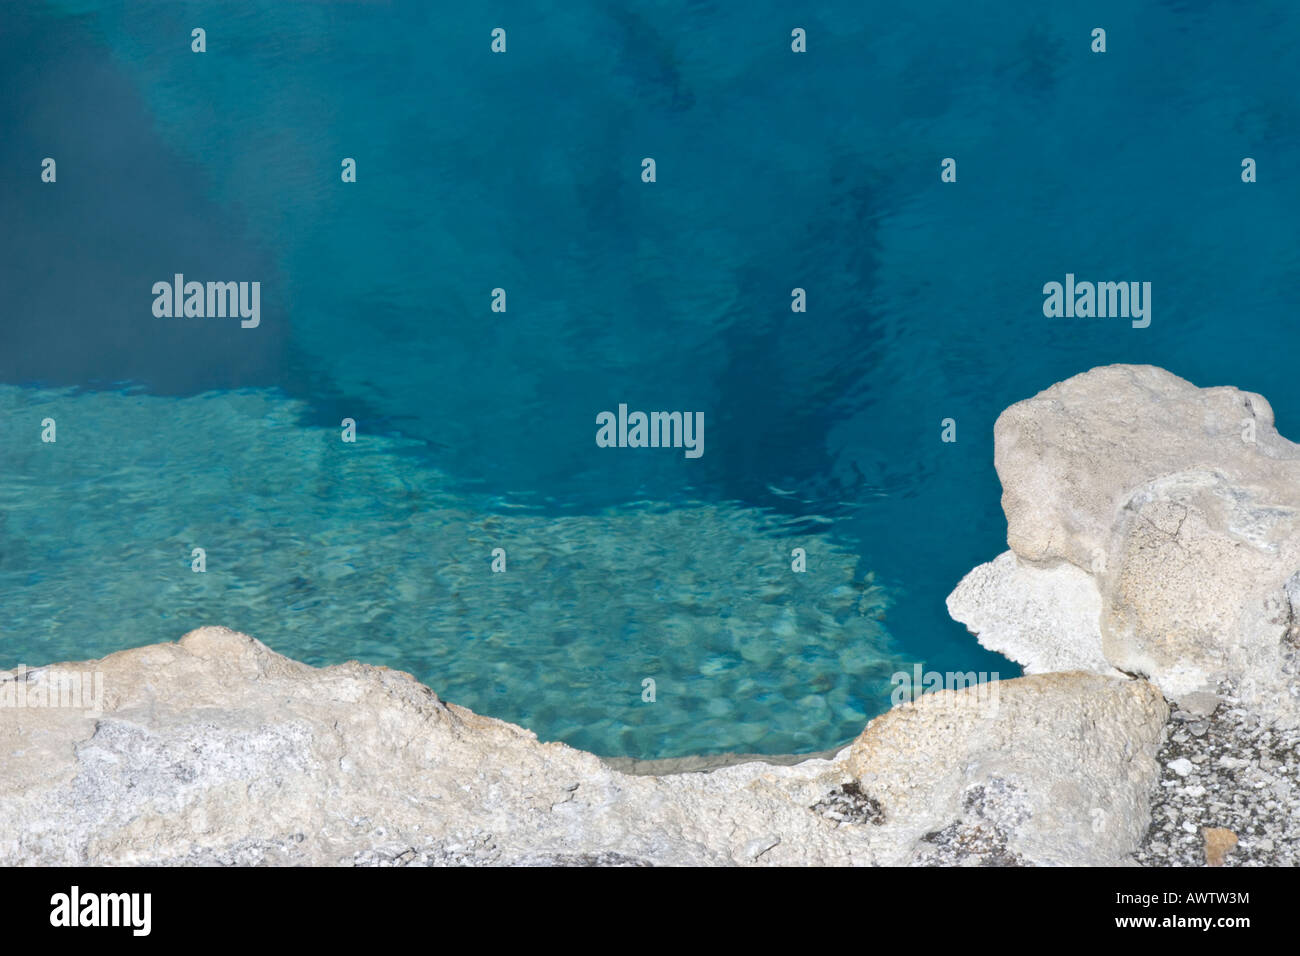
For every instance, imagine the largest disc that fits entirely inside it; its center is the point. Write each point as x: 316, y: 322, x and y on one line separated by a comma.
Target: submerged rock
x: 362, y: 551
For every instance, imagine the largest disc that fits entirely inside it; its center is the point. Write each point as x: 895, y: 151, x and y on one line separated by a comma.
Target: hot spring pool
x: 477, y: 426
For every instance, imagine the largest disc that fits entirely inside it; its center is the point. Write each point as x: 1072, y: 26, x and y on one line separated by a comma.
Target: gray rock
x: 1056, y: 770
x: 1251, y: 793
x: 1022, y: 610
x: 1199, y: 704
x: 1180, y: 507
x: 218, y: 751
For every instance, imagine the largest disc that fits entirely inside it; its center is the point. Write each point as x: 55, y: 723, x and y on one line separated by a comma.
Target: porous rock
x: 218, y: 751
x: 1046, y: 769
x: 1172, y: 510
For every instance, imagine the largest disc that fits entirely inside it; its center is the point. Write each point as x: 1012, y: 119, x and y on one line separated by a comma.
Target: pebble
x: 1246, y: 776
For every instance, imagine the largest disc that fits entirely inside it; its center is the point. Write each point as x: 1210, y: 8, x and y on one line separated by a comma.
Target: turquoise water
x: 477, y: 428
x: 332, y: 551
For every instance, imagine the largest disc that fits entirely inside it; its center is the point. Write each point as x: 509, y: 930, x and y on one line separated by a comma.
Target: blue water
x: 522, y: 171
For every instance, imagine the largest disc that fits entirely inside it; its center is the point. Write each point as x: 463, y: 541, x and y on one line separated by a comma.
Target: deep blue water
x: 522, y: 171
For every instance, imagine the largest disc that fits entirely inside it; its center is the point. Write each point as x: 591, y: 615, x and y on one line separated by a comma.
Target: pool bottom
x: 654, y: 631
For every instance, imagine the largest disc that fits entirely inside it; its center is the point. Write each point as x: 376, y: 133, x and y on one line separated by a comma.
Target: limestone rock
x: 217, y: 750
x: 1055, y: 769
x: 1072, y: 456
x: 1171, y: 509
x: 1022, y: 610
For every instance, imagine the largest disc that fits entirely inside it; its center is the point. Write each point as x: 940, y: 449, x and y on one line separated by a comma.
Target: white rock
x: 1189, y: 534
x: 1044, y: 618
x: 1182, y: 766
x: 218, y: 750
x: 1024, y: 773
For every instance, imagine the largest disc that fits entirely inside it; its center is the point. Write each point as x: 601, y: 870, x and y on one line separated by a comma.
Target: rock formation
x: 1153, y: 555
x: 219, y: 750
x: 1154, y: 529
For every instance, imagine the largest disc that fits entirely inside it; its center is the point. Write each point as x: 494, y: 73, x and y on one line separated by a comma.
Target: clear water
x: 522, y: 171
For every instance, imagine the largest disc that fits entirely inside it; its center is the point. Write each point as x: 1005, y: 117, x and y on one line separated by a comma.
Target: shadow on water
x: 81, y: 255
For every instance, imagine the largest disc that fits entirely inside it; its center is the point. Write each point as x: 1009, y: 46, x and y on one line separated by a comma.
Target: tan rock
x: 1172, y: 510
x: 1057, y: 768
x: 1218, y: 844
x: 217, y: 750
